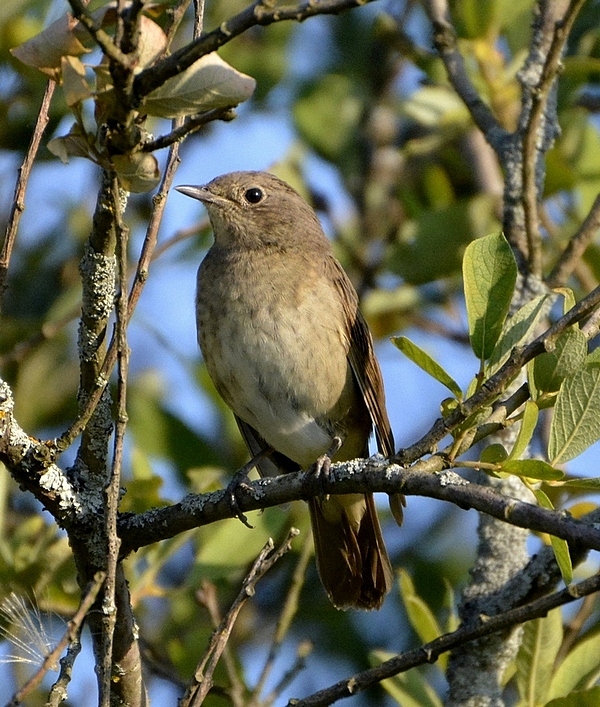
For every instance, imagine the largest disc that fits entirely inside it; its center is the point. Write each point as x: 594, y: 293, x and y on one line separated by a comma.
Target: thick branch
x: 359, y: 476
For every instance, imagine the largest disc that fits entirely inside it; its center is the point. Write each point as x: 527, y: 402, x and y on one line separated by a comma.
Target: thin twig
x: 531, y: 144
x: 203, y: 676
x: 71, y: 635
x: 104, y: 40
x: 286, y: 615
x: 430, y: 652
x: 444, y: 36
x: 190, y: 126
x: 576, y: 247
x: 207, y: 596
x: 18, y: 205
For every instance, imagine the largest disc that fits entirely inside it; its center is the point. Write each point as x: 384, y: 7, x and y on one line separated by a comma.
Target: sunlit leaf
x: 559, y: 546
x: 519, y: 329
x: 208, y: 83
x: 417, y: 355
x: 581, y: 698
x: 579, y: 669
x: 569, y: 356
x: 490, y: 273
x: 420, y: 616
x: 576, y: 422
x: 532, y: 469
x: 526, y: 429
x: 535, y: 660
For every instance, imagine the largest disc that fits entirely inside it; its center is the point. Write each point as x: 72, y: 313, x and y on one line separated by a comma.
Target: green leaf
x: 429, y: 245
x: 518, y: 329
x: 207, y: 84
x: 592, y: 484
x: 594, y: 357
x: 242, y: 544
x: 159, y: 433
x: 569, y: 356
x: 559, y: 546
x: 333, y: 100
x: 535, y: 660
x: 528, y: 424
x: 532, y: 469
x: 493, y: 454
x: 582, y: 698
x: 427, y: 363
x: 578, y: 669
x: 419, y: 614
x: 409, y: 689
x: 576, y: 422
x: 490, y: 273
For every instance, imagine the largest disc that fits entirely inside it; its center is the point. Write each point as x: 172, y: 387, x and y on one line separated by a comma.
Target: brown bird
x: 291, y: 355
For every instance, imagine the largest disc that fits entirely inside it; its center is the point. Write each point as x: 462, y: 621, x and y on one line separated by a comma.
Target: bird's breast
x: 274, y: 340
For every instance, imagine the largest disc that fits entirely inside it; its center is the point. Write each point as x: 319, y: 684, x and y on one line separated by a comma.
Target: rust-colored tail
x: 351, y: 557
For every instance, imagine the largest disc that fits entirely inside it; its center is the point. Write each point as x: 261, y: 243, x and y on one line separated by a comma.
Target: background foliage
x: 356, y: 112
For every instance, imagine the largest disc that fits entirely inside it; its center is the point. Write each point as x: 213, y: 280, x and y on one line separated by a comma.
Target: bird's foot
x: 322, y: 467
x: 241, y: 480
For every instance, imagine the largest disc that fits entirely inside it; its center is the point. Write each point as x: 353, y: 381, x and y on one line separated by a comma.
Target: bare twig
x: 18, y: 205
x: 190, y: 126
x: 576, y: 247
x: 445, y: 42
x: 286, y: 615
x: 202, y: 681
x: 207, y: 596
x: 532, y: 142
x: 104, y: 40
x: 430, y: 652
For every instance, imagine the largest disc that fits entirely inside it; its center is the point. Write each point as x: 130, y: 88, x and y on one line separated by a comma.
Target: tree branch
x: 537, y: 135
x: 444, y: 37
x: 18, y: 205
x: 430, y: 652
x: 428, y: 478
x: 202, y: 680
x: 260, y: 12
x: 576, y: 248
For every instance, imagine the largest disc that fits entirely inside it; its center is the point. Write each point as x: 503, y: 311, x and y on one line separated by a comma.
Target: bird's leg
x: 241, y: 479
x: 322, y: 466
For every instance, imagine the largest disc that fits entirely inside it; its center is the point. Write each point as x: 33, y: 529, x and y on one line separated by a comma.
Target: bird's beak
x: 200, y: 193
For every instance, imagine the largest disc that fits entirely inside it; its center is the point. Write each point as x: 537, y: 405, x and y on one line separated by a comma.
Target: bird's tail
x: 351, y: 557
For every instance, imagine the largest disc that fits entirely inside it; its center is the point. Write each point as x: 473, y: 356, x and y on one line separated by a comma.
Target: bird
x: 289, y: 352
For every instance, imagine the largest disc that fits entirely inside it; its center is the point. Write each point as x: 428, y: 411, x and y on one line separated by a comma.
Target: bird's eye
x: 254, y: 195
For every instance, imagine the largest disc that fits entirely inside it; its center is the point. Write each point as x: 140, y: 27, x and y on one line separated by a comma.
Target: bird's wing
x: 361, y: 357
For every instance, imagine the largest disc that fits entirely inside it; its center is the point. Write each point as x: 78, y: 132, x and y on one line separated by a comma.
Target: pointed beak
x: 200, y: 193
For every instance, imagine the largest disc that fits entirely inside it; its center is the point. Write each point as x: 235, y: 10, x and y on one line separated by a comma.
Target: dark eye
x: 253, y: 195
